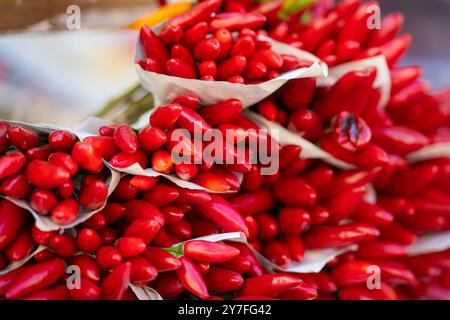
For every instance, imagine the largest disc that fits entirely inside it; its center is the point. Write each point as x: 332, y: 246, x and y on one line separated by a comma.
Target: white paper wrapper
x: 17, y: 264
x: 430, y: 243
x: 90, y: 127
x: 285, y: 137
x: 164, y: 88
x: 382, y: 81
x: 145, y: 293
x: 433, y: 151
x: 44, y: 222
x: 314, y: 260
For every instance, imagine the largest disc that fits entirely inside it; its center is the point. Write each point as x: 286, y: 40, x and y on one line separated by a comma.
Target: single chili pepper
x: 126, y: 139
x: 36, y: 278
x: 380, y: 249
x: 103, y: 145
x: 86, y: 157
x: 253, y: 180
x: 190, y: 100
x: 351, y: 273
x: 63, y: 245
x: 398, y: 233
x: 233, y: 66
x: 168, y: 285
x: 45, y: 175
x: 295, y: 247
x: 65, y: 161
x: 116, y: 283
x: 88, y: 240
x: 319, y: 215
x: 142, y: 271
x: 108, y: 235
x: 396, y: 271
x: 108, y: 257
x: 160, y: 195
x: 186, y: 171
x: 206, y: 251
x: 226, y: 41
x: 22, y: 138
x: 61, y: 140
x: 182, y: 53
x: 161, y: 259
x: 145, y: 229
x: 303, y: 291
x: 93, y: 193
x: 123, y: 160
x: 207, y: 68
x: 162, y: 161
x: 221, y: 212
x: 298, y: 93
x: 223, y: 281
x: 172, y: 214
x: 207, y: 49
x: 211, y: 181
x: 343, y: 204
x: 390, y: 26
x: 88, y: 290
x: 267, y: 107
x: 350, y: 179
x: 143, y: 183
x: 16, y: 186
x: 43, y: 201
x: 231, y: 178
x: 130, y: 246
x: 65, y: 211
x: 151, y: 64
x: 179, y: 68
x: 372, y: 214
x: 41, y: 237
x: 255, y: 267
x: 267, y: 226
x: 11, y: 164
x: 200, y: 12
x: 21, y: 246
x: 236, y: 21
x: 195, y: 34
x: 152, y: 45
x: 223, y: 112
x: 350, y: 132
x: 244, y: 46
x: 293, y: 220
x: 277, y: 252
x: 421, y: 174
x: 336, y: 236
x: 403, y: 76
x: 171, y: 34
x: 203, y: 267
x: 191, y: 278
x: 88, y: 266
x: 395, y: 49
x: 96, y: 222
x: 238, y: 264
x: 12, y: 219
x: 306, y: 195
x: 39, y: 153
x: 269, y: 285
x: 253, y: 202
x: 107, y: 130
x: 180, y: 229
x: 164, y: 117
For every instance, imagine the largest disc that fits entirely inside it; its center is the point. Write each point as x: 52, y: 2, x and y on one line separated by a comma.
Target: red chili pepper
x: 107, y: 130
x: 11, y: 164
x: 161, y: 259
x: 126, y: 139
x: 144, y: 229
x: 403, y: 76
x: 46, y: 175
x: 65, y: 211
x: 63, y: 245
x: 211, y: 181
x: 398, y: 139
x: 233, y: 21
x: 88, y: 290
x: 305, y: 196
x: 200, y: 12
x: 269, y: 285
x: 195, y: 34
x: 223, y: 112
x: 22, y: 138
x: 267, y: 226
x: 222, y: 213
x: 372, y: 214
x: 380, y: 249
x: 86, y: 157
x: 93, y: 193
x: 21, y: 246
x: 337, y: 236
x: 295, y: 247
x: 36, y: 278
x: 152, y: 65
x: 88, y: 240
x: 116, y: 283
x: 4, y: 140
x: 108, y: 257
x: 12, y: 219
x: 395, y: 49
x: 143, y: 183
x: 191, y: 278
x: 61, y: 140
x: 142, y: 271
x: 168, y: 285
x: 65, y: 161
x: 96, y: 222
x: 180, y: 229
x: 164, y: 117
x: 41, y: 237
x: 253, y: 202
x: 152, y: 45
x: 293, y: 220
x: 130, y: 246
x: 350, y: 132
x: 343, y: 204
x: 351, y: 273
x: 186, y: 171
x: 233, y: 66
x: 207, y: 49
x: 179, y: 68
x: 223, y: 281
x: 255, y: 267
x: 39, y: 153
x: 16, y: 186
x: 160, y: 195
x: 277, y: 252
x: 182, y: 53
x: 226, y: 41
x: 171, y: 34
x: 303, y: 291
x: 190, y: 100
x: 244, y: 46
x: 238, y: 264
x: 253, y: 180
x: 88, y: 266
x: 206, y: 251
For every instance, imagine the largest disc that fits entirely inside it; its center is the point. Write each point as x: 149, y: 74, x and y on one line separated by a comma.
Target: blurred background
x: 51, y: 74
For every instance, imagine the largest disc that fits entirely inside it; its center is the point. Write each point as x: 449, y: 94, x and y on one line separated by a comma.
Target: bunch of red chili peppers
x: 145, y: 235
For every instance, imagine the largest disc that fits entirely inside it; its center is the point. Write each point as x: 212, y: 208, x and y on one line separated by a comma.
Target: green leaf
x: 290, y: 7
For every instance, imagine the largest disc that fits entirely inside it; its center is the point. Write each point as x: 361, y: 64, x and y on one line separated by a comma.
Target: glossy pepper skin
x: 269, y: 285
x: 35, y: 278
x: 116, y: 283
x: 206, y: 251
x: 191, y: 278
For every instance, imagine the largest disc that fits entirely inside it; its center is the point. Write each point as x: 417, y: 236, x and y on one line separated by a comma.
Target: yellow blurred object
x: 166, y: 12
